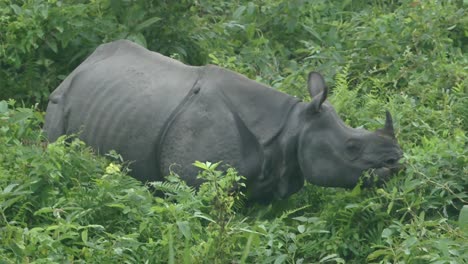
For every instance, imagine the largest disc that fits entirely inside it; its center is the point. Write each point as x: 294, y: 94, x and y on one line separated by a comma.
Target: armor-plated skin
x: 161, y: 114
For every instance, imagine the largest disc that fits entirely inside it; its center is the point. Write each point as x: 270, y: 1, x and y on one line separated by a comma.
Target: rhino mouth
x: 379, y: 176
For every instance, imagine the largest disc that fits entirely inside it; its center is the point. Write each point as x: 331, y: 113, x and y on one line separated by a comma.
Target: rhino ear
x: 315, y: 84
x: 318, y: 100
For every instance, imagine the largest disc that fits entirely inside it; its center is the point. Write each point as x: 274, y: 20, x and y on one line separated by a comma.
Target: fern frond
x: 167, y: 187
x: 344, y: 99
x: 292, y: 211
x: 239, y: 203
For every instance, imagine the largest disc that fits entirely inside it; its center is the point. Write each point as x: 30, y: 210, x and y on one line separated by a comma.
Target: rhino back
x: 119, y: 98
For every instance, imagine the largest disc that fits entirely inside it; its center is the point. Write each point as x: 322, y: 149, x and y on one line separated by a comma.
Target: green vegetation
x: 60, y: 203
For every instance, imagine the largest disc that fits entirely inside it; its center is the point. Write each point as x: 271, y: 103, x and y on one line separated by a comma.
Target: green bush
x: 61, y: 203
x: 36, y: 35
x: 43, y: 41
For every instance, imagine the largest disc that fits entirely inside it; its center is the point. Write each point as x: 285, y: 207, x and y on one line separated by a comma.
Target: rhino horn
x: 388, y: 128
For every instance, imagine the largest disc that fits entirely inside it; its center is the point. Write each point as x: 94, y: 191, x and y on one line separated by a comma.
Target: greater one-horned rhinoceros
x: 157, y: 112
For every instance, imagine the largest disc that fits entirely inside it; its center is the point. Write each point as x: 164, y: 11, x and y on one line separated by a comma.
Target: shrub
x: 61, y: 203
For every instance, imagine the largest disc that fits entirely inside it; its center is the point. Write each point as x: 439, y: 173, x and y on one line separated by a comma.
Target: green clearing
x: 63, y: 204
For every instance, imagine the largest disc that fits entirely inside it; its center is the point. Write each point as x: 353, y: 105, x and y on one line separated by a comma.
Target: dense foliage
x: 60, y: 203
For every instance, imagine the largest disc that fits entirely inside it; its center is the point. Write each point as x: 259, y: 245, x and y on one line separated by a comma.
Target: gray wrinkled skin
x: 161, y: 114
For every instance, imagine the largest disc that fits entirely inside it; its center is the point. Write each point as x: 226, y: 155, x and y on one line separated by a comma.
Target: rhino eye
x: 353, y: 148
x: 353, y: 145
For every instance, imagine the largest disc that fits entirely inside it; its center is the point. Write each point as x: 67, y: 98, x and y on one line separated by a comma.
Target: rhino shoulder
x: 263, y: 109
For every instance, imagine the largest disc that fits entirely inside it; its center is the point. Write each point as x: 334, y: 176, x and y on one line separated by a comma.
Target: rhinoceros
x: 163, y: 115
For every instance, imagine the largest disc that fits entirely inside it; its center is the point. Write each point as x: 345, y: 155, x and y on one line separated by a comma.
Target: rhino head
x: 332, y: 154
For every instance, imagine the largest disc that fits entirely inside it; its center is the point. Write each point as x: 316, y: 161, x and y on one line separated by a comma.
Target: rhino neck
x: 280, y: 174
x: 290, y: 176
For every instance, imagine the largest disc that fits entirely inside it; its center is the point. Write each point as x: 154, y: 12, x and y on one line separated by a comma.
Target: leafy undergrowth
x: 60, y: 203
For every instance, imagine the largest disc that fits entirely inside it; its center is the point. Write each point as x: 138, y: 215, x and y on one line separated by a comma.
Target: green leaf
x: 52, y: 45
x: 16, y: 9
x: 301, y: 218
x: 378, y: 253
x: 356, y: 190
x: 184, y: 228
x: 44, y: 12
x: 247, y: 249
x: 3, y: 107
x: 9, y: 187
x: 313, y: 32
x: 20, y: 116
x: 301, y: 228
x: 351, y: 206
x: 409, y: 242
x: 138, y: 38
x: 281, y: 259
x: 463, y: 219
x: 386, y: 233
x: 238, y: 13
x: 171, y: 259
x: 18, y: 249
x: 146, y: 23
x: 333, y: 257
x: 84, y: 236
x: 116, y: 205
x: 10, y: 201
x: 200, y: 215
x: 251, y: 8
x: 44, y: 210
x: 99, y: 227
